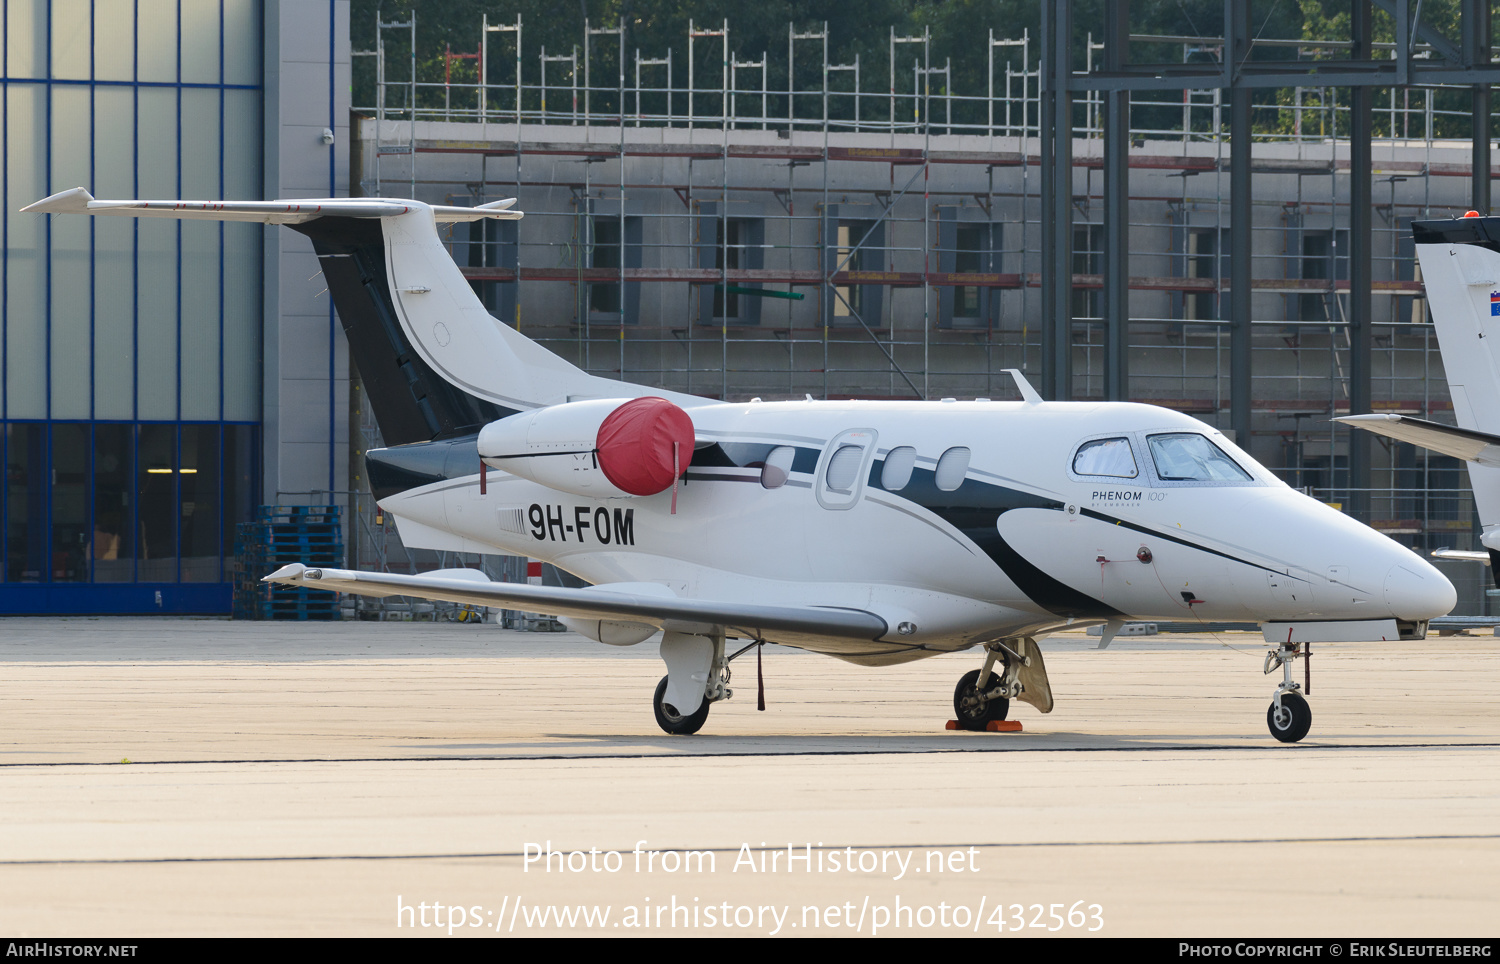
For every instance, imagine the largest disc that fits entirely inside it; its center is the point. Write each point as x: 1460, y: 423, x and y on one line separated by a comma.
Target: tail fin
x: 1460, y: 262
x: 436, y: 364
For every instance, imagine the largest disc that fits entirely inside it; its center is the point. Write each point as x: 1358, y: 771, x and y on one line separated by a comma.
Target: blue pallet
x: 284, y: 534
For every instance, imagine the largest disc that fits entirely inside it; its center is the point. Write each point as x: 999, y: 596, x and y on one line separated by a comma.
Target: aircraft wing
x: 792, y: 625
x: 1462, y: 443
x: 80, y: 201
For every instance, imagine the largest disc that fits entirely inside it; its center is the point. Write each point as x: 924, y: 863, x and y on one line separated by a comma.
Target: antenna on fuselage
x: 1028, y: 394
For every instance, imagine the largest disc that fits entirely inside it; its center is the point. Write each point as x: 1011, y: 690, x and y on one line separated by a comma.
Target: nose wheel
x: 1288, y: 717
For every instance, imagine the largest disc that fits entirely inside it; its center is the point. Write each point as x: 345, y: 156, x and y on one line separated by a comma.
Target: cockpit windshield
x: 1190, y: 457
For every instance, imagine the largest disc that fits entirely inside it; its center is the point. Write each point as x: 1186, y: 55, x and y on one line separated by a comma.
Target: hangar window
x: 777, y: 467
x: 952, y: 467
x: 843, y: 468
x: 1190, y: 457
x: 897, y: 469
x: 1106, y: 456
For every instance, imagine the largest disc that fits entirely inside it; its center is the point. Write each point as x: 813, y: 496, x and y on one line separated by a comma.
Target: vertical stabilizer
x: 1460, y: 261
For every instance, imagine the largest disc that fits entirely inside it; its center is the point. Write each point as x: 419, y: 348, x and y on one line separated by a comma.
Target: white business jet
x: 1460, y: 261
x: 876, y: 532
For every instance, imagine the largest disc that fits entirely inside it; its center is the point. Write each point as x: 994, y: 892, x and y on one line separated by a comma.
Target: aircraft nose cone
x: 1415, y: 590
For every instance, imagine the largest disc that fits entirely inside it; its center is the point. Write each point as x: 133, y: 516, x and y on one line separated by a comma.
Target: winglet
x: 74, y: 201
x: 1027, y: 392
x: 291, y: 574
x: 500, y: 210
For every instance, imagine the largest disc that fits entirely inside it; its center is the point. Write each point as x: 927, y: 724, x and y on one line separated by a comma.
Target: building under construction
x: 712, y: 234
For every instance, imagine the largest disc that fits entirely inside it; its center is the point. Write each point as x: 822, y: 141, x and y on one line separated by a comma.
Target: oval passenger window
x: 897, y: 469
x: 952, y: 468
x: 843, y: 468
x: 778, y: 467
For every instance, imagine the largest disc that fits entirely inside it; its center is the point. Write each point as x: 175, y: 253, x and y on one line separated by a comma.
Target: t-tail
x: 1460, y: 264
x: 435, y: 363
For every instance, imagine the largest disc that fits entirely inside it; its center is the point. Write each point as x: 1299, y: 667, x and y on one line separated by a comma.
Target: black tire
x: 670, y: 720
x: 1293, y: 722
x: 973, y: 711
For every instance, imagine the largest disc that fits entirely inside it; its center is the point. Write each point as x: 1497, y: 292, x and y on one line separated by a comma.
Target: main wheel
x: 1293, y: 720
x: 972, y: 708
x: 670, y: 720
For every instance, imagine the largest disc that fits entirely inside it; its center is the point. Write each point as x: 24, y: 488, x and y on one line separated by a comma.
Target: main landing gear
x: 984, y: 695
x: 697, y: 677
x: 670, y: 720
x: 1288, y: 717
x: 974, y: 706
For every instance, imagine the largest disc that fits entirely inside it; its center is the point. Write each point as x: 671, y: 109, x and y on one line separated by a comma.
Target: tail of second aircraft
x: 435, y: 363
x: 1460, y: 261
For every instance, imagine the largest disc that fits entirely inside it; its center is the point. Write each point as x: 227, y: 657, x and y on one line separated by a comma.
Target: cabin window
x: 951, y: 468
x: 1106, y: 456
x: 1190, y: 457
x: 841, y: 476
x: 897, y: 469
x: 778, y: 466
x: 843, y: 469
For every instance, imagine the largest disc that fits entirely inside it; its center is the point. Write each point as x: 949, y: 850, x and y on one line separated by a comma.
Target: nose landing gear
x: 1288, y: 717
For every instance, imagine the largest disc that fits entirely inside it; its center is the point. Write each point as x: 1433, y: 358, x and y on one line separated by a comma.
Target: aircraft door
x: 843, y: 468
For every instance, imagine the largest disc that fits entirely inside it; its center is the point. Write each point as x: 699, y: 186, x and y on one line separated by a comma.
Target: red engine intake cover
x: 635, y: 445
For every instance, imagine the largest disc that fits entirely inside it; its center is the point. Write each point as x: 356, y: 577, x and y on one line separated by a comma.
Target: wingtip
x: 292, y: 572
x: 74, y: 201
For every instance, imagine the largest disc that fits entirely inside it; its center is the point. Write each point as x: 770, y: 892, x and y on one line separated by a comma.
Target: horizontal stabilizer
x: 1461, y: 555
x: 1462, y: 443
x: 299, y: 211
x: 785, y: 624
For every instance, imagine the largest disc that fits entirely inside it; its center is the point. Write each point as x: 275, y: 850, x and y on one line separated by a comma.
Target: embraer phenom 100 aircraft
x: 876, y: 532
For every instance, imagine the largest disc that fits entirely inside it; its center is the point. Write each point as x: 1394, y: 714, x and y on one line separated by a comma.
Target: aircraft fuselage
x: 1020, y: 541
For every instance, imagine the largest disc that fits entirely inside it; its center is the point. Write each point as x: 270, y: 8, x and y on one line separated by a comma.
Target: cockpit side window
x: 1190, y: 457
x: 1106, y: 456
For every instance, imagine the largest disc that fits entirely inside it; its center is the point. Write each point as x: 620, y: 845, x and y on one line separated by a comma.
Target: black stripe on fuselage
x: 1146, y: 530
x: 973, y: 509
x: 401, y: 467
x: 411, y: 402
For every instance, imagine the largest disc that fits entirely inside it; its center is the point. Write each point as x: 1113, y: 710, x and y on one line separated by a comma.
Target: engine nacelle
x: 602, y: 448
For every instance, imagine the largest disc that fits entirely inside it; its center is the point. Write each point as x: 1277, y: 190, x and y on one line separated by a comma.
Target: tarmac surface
x: 164, y: 777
